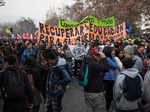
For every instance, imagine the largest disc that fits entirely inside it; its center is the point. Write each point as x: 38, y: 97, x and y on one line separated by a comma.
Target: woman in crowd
x: 110, y: 76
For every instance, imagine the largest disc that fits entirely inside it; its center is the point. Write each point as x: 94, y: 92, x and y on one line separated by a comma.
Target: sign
x: 106, y: 22
x: 77, y: 51
x: 107, y: 33
x: 86, y: 32
x: 55, y: 35
x: 26, y: 36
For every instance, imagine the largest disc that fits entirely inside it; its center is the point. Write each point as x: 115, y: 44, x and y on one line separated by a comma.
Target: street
x: 73, y: 100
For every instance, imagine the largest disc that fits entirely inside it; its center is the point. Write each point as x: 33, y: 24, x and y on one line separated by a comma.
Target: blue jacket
x: 27, y: 53
x: 36, y: 51
x: 58, y: 76
x: 111, y: 75
x: 24, y: 56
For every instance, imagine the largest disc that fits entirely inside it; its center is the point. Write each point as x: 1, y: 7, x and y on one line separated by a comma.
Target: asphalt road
x: 73, y: 100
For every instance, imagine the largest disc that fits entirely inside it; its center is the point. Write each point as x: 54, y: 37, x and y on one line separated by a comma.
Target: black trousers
x: 15, y: 107
x: 108, y: 84
x: 77, y: 68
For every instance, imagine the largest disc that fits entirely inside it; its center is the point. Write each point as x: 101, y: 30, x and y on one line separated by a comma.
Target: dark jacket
x: 43, y: 79
x: 28, y: 94
x: 95, y: 79
x: 37, y: 82
x: 58, y: 76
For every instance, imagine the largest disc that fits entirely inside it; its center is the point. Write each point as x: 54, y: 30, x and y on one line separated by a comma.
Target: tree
x: 2, y: 3
x: 123, y: 10
x: 25, y: 26
x: 52, y: 17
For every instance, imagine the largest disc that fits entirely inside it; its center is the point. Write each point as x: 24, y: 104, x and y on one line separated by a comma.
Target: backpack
x: 132, y: 88
x: 84, y: 77
x: 82, y: 69
x: 14, y: 85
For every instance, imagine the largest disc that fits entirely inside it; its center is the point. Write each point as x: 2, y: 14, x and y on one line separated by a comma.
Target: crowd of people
x: 117, y: 74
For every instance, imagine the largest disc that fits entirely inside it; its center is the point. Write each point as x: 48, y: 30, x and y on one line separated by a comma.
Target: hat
x: 94, y: 51
x: 129, y: 49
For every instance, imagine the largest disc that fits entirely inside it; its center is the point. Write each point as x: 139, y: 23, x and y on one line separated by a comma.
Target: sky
x: 35, y: 9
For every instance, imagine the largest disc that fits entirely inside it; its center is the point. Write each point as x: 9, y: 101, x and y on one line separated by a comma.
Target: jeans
x: 77, y: 68
x: 69, y: 67
x: 108, y: 92
x: 95, y: 102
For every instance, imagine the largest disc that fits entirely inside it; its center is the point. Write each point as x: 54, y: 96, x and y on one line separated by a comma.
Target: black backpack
x: 132, y: 88
x: 14, y: 85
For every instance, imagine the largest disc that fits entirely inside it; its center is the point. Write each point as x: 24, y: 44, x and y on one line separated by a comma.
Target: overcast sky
x: 36, y: 9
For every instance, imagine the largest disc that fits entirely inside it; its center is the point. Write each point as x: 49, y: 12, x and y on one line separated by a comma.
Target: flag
x: 128, y: 28
x: 11, y: 30
x: 36, y: 33
x: 18, y: 37
x: 8, y: 31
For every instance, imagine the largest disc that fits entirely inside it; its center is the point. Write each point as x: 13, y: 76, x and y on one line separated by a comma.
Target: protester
x: 129, y: 53
x: 94, y: 90
x: 34, y: 76
x: 110, y: 76
x: 16, y: 90
x: 147, y: 82
x: 78, y: 53
x: 128, y: 88
x: 1, y: 60
x: 27, y: 52
x: 140, y: 51
x: 120, y: 54
x: 57, y: 80
x: 144, y: 104
x: 68, y: 57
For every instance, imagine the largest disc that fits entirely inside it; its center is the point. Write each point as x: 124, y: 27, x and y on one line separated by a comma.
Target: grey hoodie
x: 138, y: 63
x: 121, y: 102
x: 147, y: 87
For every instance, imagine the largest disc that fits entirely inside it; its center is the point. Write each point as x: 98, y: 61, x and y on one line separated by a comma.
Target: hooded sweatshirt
x: 138, y: 63
x: 58, y: 76
x: 147, y: 87
x: 121, y: 102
